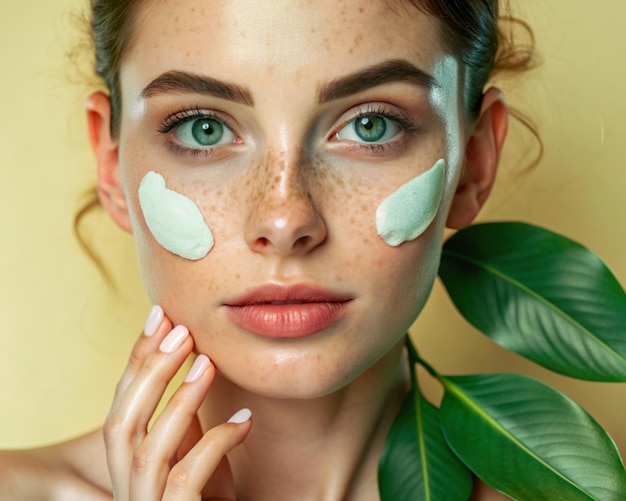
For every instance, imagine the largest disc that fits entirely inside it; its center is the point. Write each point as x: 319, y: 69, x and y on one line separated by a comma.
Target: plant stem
x: 414, y: 358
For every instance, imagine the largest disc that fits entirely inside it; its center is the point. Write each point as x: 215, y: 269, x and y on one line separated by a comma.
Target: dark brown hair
x: 111, y: 26
x: 477, y: 32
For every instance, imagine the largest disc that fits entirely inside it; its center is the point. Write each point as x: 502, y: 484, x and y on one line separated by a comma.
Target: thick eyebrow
x: 183, y: 82
x: 393, y: 70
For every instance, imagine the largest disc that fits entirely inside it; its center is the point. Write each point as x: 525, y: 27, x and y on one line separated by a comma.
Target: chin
x: 303, y: 374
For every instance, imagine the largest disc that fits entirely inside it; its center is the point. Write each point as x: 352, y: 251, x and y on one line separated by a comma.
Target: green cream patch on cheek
x: 405, y: 214
x: 174, y: 220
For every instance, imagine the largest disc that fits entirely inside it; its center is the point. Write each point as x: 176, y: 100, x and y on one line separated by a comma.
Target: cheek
x: 350, y: 205
x: 404, y: 277
x: 168, y: 226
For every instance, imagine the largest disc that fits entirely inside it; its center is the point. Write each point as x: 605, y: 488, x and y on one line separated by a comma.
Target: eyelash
x: 185, y: 115
x: 407, y: 124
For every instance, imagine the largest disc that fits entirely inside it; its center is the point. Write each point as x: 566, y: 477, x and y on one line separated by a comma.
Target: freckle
x: 219, y: 193
x: 352, y: 221
x: 364, y: 207
x: 238, y: 276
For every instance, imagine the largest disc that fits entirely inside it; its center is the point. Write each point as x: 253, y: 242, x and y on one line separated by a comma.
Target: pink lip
x: 277, y: 311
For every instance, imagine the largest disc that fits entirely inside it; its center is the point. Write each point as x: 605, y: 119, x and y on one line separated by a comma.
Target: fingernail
x: 155, y: 317
x: 200, y: 364
x: 174, y: 339
x: 240, y: 416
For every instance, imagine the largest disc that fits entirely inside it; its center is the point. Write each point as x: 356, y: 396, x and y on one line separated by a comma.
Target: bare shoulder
x: 68, y: 471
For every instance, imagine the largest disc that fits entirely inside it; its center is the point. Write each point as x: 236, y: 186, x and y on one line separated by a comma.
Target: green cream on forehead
x: 174, y: 220
x: 407, y: 213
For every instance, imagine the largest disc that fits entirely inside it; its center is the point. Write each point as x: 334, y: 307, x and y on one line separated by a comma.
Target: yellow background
x: 65, y: 336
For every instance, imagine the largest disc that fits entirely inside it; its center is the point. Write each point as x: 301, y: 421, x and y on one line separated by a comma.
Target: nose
x: 283, y: 219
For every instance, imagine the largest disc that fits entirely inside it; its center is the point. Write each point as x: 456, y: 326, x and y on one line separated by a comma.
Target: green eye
x: 203, y: 132
x: 371, y: 129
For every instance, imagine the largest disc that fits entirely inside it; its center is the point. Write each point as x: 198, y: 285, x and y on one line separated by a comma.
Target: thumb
x: 221, y: 486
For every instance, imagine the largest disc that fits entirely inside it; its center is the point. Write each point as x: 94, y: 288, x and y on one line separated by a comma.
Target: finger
x: 190, y: 475
x: 154, y: 456
x: 156, y: 327
x: 127, y: 423
x: 146, y: 390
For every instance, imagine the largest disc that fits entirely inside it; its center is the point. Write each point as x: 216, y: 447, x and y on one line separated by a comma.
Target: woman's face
x: 299, y: 294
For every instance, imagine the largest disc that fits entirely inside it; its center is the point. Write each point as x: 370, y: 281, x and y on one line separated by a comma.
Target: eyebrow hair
x: 393, y: 70
x: 191, y: 83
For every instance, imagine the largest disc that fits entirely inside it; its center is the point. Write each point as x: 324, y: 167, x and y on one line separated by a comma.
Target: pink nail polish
x: 155, y: 317
x: 200, y: 364
x: 240, y: 416
x: 174, y: 339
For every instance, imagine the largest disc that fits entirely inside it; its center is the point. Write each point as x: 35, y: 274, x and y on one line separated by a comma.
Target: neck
x: 323, y: 448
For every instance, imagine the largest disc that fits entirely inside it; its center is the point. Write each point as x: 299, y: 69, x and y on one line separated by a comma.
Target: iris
x: 370, y: 128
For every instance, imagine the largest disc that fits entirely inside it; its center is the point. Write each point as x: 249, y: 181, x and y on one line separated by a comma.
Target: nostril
x: 302, y: 241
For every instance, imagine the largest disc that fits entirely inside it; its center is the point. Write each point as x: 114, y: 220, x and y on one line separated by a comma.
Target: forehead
x: 295, y: 41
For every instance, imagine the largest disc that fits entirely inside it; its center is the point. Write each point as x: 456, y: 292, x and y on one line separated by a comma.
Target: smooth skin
x: 290, y: 195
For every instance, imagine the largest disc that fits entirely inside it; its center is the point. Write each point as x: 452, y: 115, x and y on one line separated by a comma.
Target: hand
x: 174, y: 460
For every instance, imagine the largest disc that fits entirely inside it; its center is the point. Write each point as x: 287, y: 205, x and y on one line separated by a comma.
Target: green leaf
x: 416, y: 463
x: 530, y: 441
x: 540, y: 295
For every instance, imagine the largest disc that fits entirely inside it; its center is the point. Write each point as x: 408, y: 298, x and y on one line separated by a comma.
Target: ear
x: 482, y: 155
x: 106, y: 150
